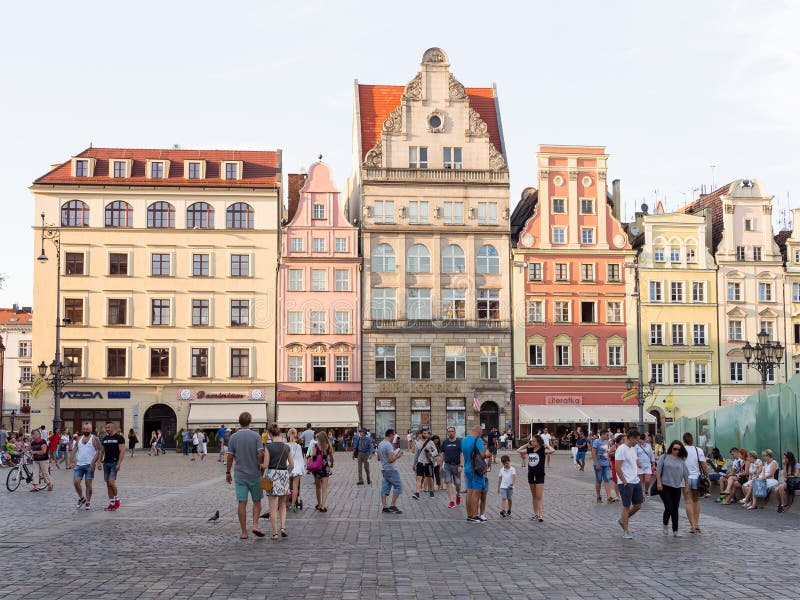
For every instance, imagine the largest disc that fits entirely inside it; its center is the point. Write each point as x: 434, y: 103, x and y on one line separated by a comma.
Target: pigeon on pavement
x: 215, y: 518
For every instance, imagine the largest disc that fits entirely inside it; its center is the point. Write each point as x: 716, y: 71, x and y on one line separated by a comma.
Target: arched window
x: 119, y: 214
x: 160, y: 215
x: 75, y: 214
x: 200, y: 215
x: 239, y: 216
x: 488, y: 260
x: 453, y: 259
x: 383, y: 259
x: 418, y: 259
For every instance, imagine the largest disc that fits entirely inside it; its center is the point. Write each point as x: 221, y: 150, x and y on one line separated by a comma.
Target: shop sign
x: 201, y: 395
x: 420, y: 404
x: 80, y: 395
x: 384, y: 404
x: 419, y: 388
x: 456, y: 404
x: 568, y: 400
x: 119, y: 395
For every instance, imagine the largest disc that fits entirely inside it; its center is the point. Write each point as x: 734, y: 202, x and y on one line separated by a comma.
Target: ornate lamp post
x: 60, y: 374
x: 642, y: 394
x: 764, y: 357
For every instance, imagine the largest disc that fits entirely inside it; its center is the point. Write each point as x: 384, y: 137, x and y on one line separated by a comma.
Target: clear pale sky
x: 668, y: 87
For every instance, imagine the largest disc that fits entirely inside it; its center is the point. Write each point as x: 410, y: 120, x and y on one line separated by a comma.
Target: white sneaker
x: 482, y: 518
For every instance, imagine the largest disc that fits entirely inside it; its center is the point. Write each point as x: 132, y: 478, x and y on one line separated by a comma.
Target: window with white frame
x: 700, y: 373
x: 562, y: 271
x: 735, y: 330
x: 536, y: 355
x: 767, y: 327
x: 420, y: 362
x: 488, y: 260
x: 25, y: 374
x: 562, y: 355
x: 749, y: 225
x: 676, y: 291
x: 756, y: 252
x: 341, y: 244
x: 319, y: 321
x: 734, y: 291
x: 341, y: 280
x: 795, y: 291
x: 295, y: 280
x: 417, y: 157
x: 384, y: 362
x: 342, y: 368
x: 655, y: 291
x: 487, y: 213
x: 319, y: 280
x: 488, y: 305
x: 770, y: 373
x: 383, y: 211
x: 559, y: 206
x: 614, y: 312
x: 297, y: 244
x: 740, y: 253
x: 559, y: 235
x: 453, y: 260
x: 534, y: 311
x: 674, y: 255
x: 797, y: 367
x: 657, y: 372
x: 797, y: 256
x: 455, y: 362
x: 656, y: 334
x: 678, y: 334
x: 454, y: 303
x: 613, y: 272
x: 588, y: 355
x: 737, y: 372
x: 383, y: 259
x: 418, y: 303
x: 319, y: 368
x: 295, y: 319
x: 658, y: 255
x: 588, y: 312
x: 587, y: 235
x: 24, y: 349
x: 535, y: 272
x: 319, y: 244
x: 698, y: 291
x: 678, y: 372
x: 418, y: 212
x: 384, y: 303
x: 614, y: 356
x: 342, y: 322
x: 587, y: 272
x: 317, y: 211
x: 561, y: 311
x: 488, y: 362
x: 295, y: 368
x: 699, y: 334
x: 691, y: 255
x: 453, y: 213
x: 765, y: 292
x: 587, y: 206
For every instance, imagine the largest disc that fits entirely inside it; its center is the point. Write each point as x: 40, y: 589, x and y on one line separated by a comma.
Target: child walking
x: 505, y: 485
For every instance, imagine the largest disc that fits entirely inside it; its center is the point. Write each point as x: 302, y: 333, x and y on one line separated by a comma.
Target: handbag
x: 266, y: 484
x: 792, y: 484
x: 315, y: 462
x: 479, y: 466
x: 759, y: 488
x: 703, y: 482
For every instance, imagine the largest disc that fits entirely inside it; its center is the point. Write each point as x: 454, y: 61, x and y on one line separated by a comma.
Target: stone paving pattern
x: 159, y: 543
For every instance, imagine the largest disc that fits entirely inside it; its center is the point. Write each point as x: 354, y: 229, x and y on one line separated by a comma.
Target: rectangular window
x: 699, y: 335
x: 199, y: 362
x: 295, y: 280
x: 770, y: 373
x: 453, y: 213
x: 156, y: 170
x: 159, y: 362
x: 764, y: 292
x: 675, y: 255
x: 562, y: 356
x: 418, y: 212
x: 295, y: 368
x: 676, y: 291
x: 615, y: 356
x: 160, y: 265
x: 240, y: 362
x: 768, y: 328
x: 455, y: 362
x: 199, y: 313
x: 559, y: 235
x: 200, y: 265
x: 454, y: 304
x: 319, y: 280
x: 319, y: 368
x: 73, y: 263
x: 488, y: 305
x: 561, y: 311
x: 587, y: 272
x: 417, y: 157
x: 451, y: 158
x: 116, y: 362
x: 797, y: 256
x: 589, y: 356
x: 657, y: 372
x: 384, y: 362
x: 559, y: 206
x: 317, y: 211
x: 796, y: 327
x: 734, y: 291
x: 231, y: 170
x: 587, y: 235
x: 737, y: 372
x: 297, y: 244
x: 678, y: 373
x: 698, y: 291
x: 534, y: 271
x: 658, y: 255
x: 588, y: 312
x: 383, y: 211
x: 384, y: 303
x: 656, y: 334
x: 73, y: 311
x: 342, y: 368
x: 81, y: 168
x: 420, y: 362
x: 536, y: 355
x: 488, y: 362
x: 418, y: 304
x: 342, y: 321
x: 587, y: 206
x: 613, y: 272
x: 24, y: 349
x: 487, y: 213
x: 240, y: 265
x: 26, y: 374
x: 795, y: 292
x: 678, y: 335
x: 194, y: 173
x: 562, y: 272
x: 691, y: 255
x: 74, y: 355
x: 342, y: 280
x: 319, y: 244
x: 118, y: 263
x: 700, y: 373
x: 240, y: 313
x: 534, y: 312
x: 740, y: 253
x: 295, y: 322
x: 341, y: 244
x: 614, y: 312
x: 159, y: 312
x: 735, y: 331
x: 117, y: 311
x: 748, y: 225
x: 319, y: 321
x: 756, y: 252
x: 655, y: 291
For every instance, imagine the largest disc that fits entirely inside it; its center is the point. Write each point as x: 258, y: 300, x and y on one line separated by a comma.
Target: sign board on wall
x: 568, y: 400
x: 135, y: 417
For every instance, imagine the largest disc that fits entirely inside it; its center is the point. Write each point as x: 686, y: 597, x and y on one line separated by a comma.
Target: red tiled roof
x: 713, y: 202
x: 376, y: 102
x: 260, y: 168
x: 9, y: 316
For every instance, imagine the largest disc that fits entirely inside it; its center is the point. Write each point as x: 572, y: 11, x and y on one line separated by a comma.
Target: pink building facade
x: 319, y: 310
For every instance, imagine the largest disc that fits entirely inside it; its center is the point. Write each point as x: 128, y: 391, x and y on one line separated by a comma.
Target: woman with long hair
x: 298, y: 470
x: 536, y: 452
x: 790, y: 484
x: 132, y: 441
x: 153, y: 446
x: 672, y: 479
x: 323, y: 447
x: 280, y: 465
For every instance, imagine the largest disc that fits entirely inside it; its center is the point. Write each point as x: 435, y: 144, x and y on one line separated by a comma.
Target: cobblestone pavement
x: 159, y: 543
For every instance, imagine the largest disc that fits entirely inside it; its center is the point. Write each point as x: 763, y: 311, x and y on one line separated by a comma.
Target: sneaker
x: 619, y: 522
x: 116, y: 504
x: 430, y: 494
x: 482, y: 518
x: 111, y: 506
x: 781, y: 509
x: 534, y: 517
x: 502, y: 513
x: 676, y: 534
x: 627, y: 535
x: 386, y: 510
x: 395, y: 510
x: 599, y: 500
x: 473, y: 520
x: 360, y: 483
x: 87, y: 506
x: 458, y: 499
x: 80, y: 503
x: 452, y: 504
x: 415, y: 496
x: 541, y: 518
x: 610, y: 500
x: 665, y: 531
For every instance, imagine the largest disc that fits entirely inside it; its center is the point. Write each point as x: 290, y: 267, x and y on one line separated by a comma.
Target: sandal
x: 243, y: 536
x: 35, y: 490
x: 258, y: 533
x: 275, y: 537
x: 283, y: 532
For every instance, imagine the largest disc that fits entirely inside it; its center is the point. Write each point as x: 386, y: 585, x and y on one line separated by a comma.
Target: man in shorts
x: 112, y: 455
x: 251, y: 458
x: 475, y: 483
x: 221, y: 441
x: 451, y: 466
x: 388, y: 454
x: 84, y: 462
x: 547, y: 439
x: 602, y: 466
x: 630, y: 490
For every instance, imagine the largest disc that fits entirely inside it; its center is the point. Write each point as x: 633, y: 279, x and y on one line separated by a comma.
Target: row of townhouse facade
x: 194, y: 286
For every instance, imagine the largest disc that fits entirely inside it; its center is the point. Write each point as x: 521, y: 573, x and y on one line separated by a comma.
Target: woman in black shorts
x: 536, y: 451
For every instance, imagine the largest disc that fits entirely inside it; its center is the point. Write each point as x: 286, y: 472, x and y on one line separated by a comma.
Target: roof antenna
x: 90, y: 144
x: 319, y: 158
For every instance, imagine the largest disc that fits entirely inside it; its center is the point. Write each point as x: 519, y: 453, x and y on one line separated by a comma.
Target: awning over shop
x: 214, y: 414
x: 547, y: 413
x: 319, y: 414
x: 615, y: 413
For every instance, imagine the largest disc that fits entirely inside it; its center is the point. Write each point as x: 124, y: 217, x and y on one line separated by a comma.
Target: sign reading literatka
x: 570, y: 400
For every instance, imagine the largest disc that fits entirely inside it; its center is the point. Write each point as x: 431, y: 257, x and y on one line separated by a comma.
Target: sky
x: 669, y: 88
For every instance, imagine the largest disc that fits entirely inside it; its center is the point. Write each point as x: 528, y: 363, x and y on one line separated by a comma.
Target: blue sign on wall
x: 119, y: 395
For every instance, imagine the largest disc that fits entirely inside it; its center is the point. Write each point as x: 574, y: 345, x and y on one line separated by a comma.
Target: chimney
x: 296, y: 182
x: 15, y: 307
x: 615, y: 195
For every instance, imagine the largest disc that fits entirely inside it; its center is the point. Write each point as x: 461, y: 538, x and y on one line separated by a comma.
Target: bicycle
x: 20, y: 470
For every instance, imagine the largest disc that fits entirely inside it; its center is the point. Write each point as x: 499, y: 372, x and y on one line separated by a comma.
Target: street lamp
x: 60, y: 374
x: 764, y: 356
x: 642, y: 394
x: 640, y: 388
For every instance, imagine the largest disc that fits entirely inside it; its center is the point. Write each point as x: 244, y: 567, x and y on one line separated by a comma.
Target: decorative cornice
x: 497, y: 161
x: 457, y: 91
x: 394, y: 123
x: 477, y: 126
x: 374, y: 157
x: 413, y: 89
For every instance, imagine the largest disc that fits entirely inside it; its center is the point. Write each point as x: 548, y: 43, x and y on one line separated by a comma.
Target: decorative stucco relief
x: 374, y: 157
x: 394, y: 124
x: 477, y: 126
x: 413, y: 89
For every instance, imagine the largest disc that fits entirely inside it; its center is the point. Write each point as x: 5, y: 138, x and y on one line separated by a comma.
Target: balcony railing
x: 440, y: 324
x: 435, y: 175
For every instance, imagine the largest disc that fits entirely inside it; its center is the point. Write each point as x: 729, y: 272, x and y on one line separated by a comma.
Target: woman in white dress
x: 297, y: 472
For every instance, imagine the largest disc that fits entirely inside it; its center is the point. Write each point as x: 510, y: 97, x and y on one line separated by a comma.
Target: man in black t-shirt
x: 112, y: 454
x: 451, y: 465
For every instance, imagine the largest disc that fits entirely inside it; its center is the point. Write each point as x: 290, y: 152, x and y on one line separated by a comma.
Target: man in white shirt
x: 308, y: 438
x: 695, y: 461
x: 628, y: 477
x: 546, y: 438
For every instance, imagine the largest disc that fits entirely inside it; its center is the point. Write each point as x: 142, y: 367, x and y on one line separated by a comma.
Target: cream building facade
x: 168, y: 286
x: 791, y: 293
x: 430, y: 186
x: 18, y: 370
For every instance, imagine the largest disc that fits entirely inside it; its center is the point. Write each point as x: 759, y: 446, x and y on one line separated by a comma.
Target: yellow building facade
x: 679, y: 327
x: 168, y: 287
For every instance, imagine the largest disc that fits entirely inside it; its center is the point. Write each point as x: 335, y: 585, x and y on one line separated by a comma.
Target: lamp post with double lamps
x: 59, y: 373
x: 764, y: 357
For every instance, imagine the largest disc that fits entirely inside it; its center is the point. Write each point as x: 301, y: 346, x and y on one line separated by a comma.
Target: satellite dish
x: 635, y: 229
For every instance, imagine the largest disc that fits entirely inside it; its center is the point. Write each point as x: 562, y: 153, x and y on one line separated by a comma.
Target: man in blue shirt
x: 475, y: 483
x: 602, y: 466
x: 363, y: 450
x: 221, y: 440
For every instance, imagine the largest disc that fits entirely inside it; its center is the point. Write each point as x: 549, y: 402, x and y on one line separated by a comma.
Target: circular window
x: 435, y: 121
x: 587, y: 181
x: 558, y: 180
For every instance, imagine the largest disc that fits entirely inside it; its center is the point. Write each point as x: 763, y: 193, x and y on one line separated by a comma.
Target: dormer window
x: 81, y: 168
x: 231, y: 170
x: 318, y: 211
x: 194, y: 170
x: 119, y: 168
x: 156, y: 170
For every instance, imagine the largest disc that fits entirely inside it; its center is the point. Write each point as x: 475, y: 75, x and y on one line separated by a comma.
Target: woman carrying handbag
x: 672, y: 480
x: 321, y: 465
x: 278, y: 469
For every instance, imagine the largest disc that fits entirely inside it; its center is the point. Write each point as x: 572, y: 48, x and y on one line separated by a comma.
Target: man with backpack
x: 423, y: 463
x: 475, y: 454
